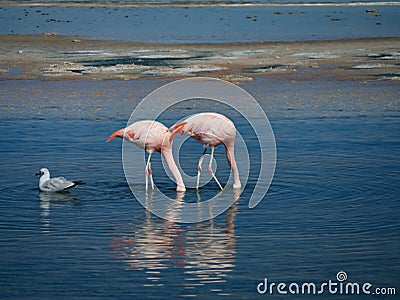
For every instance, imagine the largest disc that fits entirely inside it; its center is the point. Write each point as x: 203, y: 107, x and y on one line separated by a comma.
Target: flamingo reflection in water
x: 205, y: 251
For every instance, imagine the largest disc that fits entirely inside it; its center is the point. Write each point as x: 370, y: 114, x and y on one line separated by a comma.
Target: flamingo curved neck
x: 167, y: 153
x: 230, y: 155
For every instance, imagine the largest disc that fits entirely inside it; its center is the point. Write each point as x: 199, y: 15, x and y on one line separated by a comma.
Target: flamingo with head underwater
x: 152, y: 136
x: 211, y: 130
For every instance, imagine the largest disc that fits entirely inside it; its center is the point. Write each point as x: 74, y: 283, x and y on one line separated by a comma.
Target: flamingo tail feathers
x: 176, y: 129
x: 118, y: 133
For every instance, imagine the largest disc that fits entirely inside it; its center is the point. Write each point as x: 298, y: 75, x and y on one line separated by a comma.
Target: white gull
x: 57, y: 184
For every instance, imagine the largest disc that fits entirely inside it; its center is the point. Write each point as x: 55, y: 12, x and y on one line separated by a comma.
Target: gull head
x: 43, y: 171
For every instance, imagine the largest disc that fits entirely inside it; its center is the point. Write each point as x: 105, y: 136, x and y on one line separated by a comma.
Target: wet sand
x: 57, y: 57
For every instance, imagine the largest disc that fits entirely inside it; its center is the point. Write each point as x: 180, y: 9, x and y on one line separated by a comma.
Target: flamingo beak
x: 118, y: 133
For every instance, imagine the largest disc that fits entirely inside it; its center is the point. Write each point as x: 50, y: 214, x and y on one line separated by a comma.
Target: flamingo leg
x: 148, y: 172
x: 199, y: 167
x: 210, y: 170
x: 151, y: 177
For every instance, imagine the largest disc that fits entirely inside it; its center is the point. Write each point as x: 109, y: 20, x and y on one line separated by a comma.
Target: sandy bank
x: 62, y: 57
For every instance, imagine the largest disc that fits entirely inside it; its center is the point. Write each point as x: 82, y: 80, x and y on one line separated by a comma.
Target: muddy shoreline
x: 54, y: 57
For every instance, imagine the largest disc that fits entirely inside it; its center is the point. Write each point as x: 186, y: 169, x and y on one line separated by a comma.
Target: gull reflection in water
x: 203, y: 252
x: 47, y: 200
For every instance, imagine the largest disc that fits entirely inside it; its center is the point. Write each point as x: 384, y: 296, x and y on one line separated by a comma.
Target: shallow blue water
x: 205, y: 24
x: 333, y: 204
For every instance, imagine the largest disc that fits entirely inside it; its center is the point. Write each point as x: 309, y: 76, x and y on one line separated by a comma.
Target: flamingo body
x: 211, y: 130
x: 147, y: 135
x: 152, y: 136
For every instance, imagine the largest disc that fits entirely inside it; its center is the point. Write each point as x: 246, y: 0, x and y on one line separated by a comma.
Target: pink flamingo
x: 211, y: 129
x: 152, y: 136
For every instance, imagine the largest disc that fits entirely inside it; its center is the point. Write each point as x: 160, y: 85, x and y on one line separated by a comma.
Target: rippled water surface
x: 206, y: 24
x: 333, y: 204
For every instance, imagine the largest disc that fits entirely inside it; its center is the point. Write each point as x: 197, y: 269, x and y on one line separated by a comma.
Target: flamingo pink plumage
x: 211, y: 130
x: 152, y: 136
